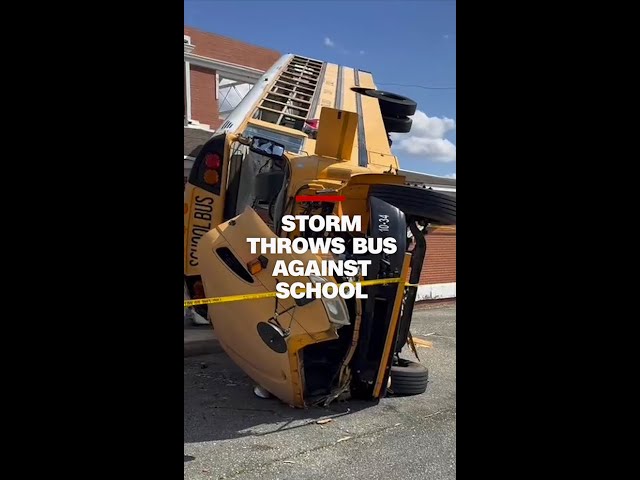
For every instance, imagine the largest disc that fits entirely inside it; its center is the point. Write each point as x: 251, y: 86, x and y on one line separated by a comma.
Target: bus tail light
x: 212, y: 164
x: 211, y: 177
x: 206, y: 172
x: 212, y: 160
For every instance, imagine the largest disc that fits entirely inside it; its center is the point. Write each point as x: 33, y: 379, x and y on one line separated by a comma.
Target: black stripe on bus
x: 338, y: 103
x: 363, y: 160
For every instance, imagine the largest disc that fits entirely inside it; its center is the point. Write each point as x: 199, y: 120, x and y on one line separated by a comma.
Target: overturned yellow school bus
x: 310, y: 129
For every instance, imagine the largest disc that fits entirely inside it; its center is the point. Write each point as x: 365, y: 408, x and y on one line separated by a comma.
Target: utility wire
x: 417, y: 86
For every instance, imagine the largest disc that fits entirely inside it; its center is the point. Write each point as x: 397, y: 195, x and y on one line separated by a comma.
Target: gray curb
x: 200, y: 340
x: 201, y: 347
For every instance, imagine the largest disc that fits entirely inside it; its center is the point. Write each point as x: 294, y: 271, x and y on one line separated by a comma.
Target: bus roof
x: 292, y: 94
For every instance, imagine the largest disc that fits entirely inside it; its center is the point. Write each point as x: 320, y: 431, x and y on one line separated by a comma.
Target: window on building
x: 230, y: 94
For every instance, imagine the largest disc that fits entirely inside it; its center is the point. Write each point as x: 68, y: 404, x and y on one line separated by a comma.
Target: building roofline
x: 229, y: 70
x: 420, y: 177
x: 261, y: 47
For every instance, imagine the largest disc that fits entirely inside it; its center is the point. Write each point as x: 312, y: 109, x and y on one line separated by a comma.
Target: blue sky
x: 404, y: 42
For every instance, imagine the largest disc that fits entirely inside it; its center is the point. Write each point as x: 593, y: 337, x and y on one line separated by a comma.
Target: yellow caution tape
x: 258, y: 296
x: 230, y: 298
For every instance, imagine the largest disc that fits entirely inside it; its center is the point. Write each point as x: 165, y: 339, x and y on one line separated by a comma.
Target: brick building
x: 438, y: 276
x: 219, y: 71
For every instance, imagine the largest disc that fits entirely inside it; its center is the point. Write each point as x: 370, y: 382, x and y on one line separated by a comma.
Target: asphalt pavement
x: 231, y: 433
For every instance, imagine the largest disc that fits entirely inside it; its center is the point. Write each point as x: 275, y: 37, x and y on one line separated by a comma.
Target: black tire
x: 409, y: 378
x: 436, y: 207
x: 398, y: 125
x: 392, y: 104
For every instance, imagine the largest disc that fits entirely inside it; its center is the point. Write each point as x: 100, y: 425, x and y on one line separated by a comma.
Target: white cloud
x: 450, y: 175
x: 328, y: 42
x: 426, y: 138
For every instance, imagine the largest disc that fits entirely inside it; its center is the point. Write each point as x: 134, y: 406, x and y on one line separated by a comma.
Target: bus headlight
x: 336, y: 307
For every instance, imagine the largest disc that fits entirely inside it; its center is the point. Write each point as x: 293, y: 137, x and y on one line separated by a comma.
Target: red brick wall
x: 204, y: 106
x: 228, y: 50
x: 440, y: 263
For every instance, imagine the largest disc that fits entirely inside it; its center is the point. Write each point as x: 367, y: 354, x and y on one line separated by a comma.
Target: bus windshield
x: 260, y: 183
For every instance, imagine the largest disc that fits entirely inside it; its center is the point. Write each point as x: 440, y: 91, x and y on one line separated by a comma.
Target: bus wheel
x: 398, y: 125
x: 409, y: 378
x: 438, y: 208
x: 393, y: 105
